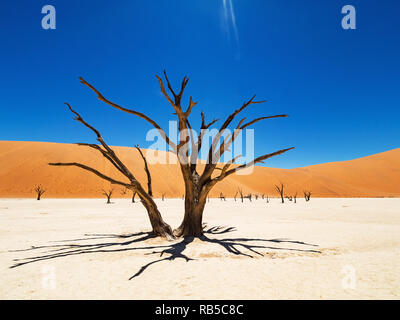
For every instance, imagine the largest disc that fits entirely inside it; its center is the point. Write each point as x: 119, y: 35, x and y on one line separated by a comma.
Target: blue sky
x: 341, y: 88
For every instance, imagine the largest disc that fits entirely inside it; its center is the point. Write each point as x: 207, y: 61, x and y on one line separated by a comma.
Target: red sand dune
x: 24, y: 165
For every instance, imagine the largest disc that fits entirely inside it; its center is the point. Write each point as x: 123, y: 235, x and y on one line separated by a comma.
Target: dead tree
x: 133, y: 196
x: 39, y: 192
x: 163, y: 196
x: 222, y: 197
x: 248, y: 197
x: 290, y: 198
x: 159, y: 227
x: 125, y: 191
x: 197, y: 185
x: 280, y: 190
x: 267, y: 199
x: 263, y: 196
x: 256, y: 196
x: 146, y: 169
x: 234, y: 197
x: 307, y: 195
x: 295, y: 197
x: 108, y: 194
x: 241, y: 194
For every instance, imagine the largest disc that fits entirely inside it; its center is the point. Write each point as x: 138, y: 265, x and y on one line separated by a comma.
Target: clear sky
x: 341, y: 88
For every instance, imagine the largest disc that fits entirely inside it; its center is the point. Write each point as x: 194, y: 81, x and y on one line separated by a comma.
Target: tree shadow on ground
x: 247, y: 247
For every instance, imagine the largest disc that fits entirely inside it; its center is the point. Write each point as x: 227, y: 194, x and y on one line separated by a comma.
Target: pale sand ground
x: 349, y: 233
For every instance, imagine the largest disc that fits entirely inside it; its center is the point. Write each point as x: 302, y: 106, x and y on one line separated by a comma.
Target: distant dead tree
x: 290, y: 198
x: 267, y: 199
x: 307, y: 195
x: 256, y: 196
x: 248, y: 197
x: 133, y: 196
x: 108, y: 194
x: 234, y: 197
x: 197, y: 185
x: 263, y: 196
x: 295, y: 197
x: 280, y: 190
x: 39, y: 192
x: 163, y: 196
x: 241, y: 194
x: 222, y: 197
x: 125, y: 191
x: 146, y: 169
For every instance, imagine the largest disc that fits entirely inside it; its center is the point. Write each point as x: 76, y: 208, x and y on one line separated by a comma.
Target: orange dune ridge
x: 23, y: 165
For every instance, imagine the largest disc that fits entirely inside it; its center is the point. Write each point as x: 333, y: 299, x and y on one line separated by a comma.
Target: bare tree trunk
x: 195, y: 201
x: 160, y: 228
x: 133, y: 196
x: 192, y: 224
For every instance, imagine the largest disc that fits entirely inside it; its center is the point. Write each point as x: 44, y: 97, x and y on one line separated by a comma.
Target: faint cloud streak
x: 229, y: 22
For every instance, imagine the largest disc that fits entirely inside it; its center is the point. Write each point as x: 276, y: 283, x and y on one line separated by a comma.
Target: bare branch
x: 204, y: 125
x: 197, y: 146
x: 136, y: 113
x: 96, y: 172
x: 189, y: 109
x: 236, y: 112
x: 80, y: 119
x: 110, y: 154
x: 226, y: 167
x: 257, y: 160
x: 263, y: 118
x: 162, y: 88
x: 104, y: 153
x: 178, y: 96
x: 211, y: 164
x: 146, y: 168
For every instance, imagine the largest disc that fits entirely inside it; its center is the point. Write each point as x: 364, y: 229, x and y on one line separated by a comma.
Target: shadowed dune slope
x: 24, y: 165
